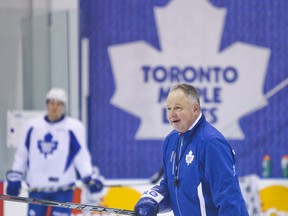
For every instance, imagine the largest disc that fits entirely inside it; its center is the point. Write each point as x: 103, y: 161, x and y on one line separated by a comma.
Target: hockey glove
x: 14, y: 182
x: 148, y: 203
x: 94, y: 185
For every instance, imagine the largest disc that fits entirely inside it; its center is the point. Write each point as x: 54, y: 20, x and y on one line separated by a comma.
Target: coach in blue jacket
x: 200, y: 176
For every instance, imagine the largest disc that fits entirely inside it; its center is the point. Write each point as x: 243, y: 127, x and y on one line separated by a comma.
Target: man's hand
x: 94, y: 185
x: 148, y: 203
x: 14, y: 182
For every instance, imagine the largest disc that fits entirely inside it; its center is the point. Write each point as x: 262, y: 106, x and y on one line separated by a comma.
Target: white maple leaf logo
x: 230, y: 82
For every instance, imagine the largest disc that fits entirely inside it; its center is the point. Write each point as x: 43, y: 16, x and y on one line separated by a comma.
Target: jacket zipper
x: 177, y: 172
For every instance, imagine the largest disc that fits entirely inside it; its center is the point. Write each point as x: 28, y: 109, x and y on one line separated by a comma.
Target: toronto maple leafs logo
x: 47, y: 146
x: 189, y: 158
x: 189, y: 53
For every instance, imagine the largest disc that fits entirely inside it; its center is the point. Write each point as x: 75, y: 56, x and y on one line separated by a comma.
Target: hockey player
x: 50, y: 150
x: 200, y: 176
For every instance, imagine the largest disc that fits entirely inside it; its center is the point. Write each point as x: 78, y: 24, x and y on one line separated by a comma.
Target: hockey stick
x: 81, y: 207
x: 153, y: 180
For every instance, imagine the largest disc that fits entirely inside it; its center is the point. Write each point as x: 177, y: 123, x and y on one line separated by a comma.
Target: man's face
x: 55, y: 109
x: 181, y: 112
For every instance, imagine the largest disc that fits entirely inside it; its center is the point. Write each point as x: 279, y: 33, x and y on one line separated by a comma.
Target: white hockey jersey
x: 49, y: 153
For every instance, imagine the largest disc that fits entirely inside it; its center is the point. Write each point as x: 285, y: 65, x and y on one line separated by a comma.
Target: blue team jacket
x: 200, y: 176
